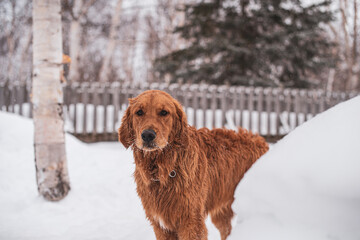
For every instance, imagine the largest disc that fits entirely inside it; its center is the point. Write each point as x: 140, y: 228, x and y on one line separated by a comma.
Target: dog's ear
x: 126, y: 131
x: 180, y: 126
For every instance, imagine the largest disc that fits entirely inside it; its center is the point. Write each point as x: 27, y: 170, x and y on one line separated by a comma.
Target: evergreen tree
x: 266, y: 42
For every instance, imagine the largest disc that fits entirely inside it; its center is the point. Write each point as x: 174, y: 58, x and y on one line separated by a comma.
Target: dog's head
x: 153, y: 121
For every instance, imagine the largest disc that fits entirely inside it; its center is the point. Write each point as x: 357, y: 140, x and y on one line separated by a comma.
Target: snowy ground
x: 306, y: 187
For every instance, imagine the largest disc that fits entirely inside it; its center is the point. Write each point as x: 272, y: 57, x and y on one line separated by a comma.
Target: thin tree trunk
x: 105, y: 67
x: 11, y: 42
x: 355, y: 65
x: 75, y: 38
x: 47, y: 98
x: 348, y: 59
x: 355, y: 32
x: 24, y: 67
x: 330, y: 83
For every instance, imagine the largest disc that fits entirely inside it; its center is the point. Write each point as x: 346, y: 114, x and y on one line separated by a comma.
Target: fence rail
x: 93, y: 111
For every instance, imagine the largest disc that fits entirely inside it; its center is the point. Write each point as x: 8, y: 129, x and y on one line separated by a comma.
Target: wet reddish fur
x: 209, y: 165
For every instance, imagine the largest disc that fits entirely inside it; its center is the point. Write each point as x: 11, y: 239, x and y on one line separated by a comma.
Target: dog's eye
x: 140, y: 112
x: 164, y: 113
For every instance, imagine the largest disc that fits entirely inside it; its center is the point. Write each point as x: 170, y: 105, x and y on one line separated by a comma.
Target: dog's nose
x: 148, y: 135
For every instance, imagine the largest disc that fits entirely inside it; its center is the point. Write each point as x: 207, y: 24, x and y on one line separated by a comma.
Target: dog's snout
x: 148, y: 135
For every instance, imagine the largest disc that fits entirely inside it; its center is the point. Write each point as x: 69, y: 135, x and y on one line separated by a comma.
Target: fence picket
x: 223, y: 105
x: 12, y: 98
x: 85, y: 99
x: 29, y: 98
x: 116, y: 104
x: 288, y: 103
x: 195, y: 105
x: 260, y: 94
x: 213, y: 105
x: 203, y: 106
x: 277, y: 110
x: 233, y: 98
x: 95, y: 103
x: 22, y: 99
x: 104, y: 91
x: 241, y: 91
x: 250, y: 106
x: 297, y: 106
x: 2, y: 95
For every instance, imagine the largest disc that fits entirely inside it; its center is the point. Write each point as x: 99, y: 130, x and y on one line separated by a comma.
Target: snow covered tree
x: 260, y: 42
x: 49, y: 140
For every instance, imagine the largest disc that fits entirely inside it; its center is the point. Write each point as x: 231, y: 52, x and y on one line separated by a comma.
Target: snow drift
x: 306, y: 187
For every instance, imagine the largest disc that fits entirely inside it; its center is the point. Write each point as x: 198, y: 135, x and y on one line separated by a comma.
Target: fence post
x: 185, y: 90
x: 288, y: 104
x: 260, y: 94
x: 195, y: 104
x: 115, y: 91
x: 203, y: 91
x: 2, y: 95
x: 213, y: 95
x: 268, y: 94
x: 75, y: 100
x: 297, y: 106
x: 95, y: 89
x: 22, y: 99
x: 276, y: 92
x: 233, y: 106
x: 104, y: 88
x: 9, y: 98
x: 241, y: 92
x: 85, y: 100
x: 223, y: 90
x: 29, y: 96
x: 250, y: 92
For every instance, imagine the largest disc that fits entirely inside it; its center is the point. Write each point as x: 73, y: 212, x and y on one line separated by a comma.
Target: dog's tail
x: 260, y: 146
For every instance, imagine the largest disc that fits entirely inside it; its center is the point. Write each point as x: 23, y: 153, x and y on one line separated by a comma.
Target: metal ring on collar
x: 172, y: 174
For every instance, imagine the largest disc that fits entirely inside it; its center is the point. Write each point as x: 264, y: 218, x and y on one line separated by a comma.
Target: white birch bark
x: 49, y: 142
x: 105, y: 67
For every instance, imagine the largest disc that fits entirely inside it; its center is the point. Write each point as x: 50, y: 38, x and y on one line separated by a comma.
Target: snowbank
x: 102, y: 203
x: 306, y: 187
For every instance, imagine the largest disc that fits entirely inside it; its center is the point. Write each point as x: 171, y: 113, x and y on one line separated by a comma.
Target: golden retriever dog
x: 183, y: 174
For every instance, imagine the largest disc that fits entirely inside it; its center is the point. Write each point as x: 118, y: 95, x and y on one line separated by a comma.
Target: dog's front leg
x: 193, y: 229
x: 163, y: 234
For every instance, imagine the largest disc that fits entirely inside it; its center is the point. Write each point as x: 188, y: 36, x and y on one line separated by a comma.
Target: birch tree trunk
x: 105, y: 67
x: 49, y: 142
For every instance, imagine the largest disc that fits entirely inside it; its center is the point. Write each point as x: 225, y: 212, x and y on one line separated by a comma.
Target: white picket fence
x: 96, y: 109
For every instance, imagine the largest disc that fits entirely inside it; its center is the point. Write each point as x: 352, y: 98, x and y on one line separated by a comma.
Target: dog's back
x: 229, y: 154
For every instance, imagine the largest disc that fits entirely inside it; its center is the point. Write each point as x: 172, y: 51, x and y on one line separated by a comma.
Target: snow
x: 306, y: 187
